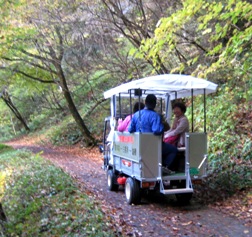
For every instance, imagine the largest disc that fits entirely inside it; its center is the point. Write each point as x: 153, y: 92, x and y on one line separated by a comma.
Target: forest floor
x: 157, y: 215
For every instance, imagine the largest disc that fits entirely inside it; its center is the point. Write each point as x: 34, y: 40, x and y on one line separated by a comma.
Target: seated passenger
x: 149, y: 121
x: 176, y: 135
x: 124, y: 124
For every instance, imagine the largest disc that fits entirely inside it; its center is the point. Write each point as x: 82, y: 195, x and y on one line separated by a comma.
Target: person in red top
x: 124, y: 124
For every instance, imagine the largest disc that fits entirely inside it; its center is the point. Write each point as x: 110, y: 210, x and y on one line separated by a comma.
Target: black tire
x: 184, y: 198
x: 111, y: 181
x: 132, y: 191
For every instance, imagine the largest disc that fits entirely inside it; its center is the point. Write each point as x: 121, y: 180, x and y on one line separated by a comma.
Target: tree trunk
x: 57, y: 60
x: 3, y: 219
x: 2, y: 214
x: 6, y: 98
x: 89, y: 139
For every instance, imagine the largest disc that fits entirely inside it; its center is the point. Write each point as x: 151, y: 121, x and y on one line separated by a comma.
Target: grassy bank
x: 39, y: 199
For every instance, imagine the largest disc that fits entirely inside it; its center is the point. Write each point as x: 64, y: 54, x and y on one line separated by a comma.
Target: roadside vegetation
x: 39, y: 199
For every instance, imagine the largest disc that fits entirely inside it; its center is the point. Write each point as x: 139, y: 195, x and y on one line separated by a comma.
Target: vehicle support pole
x: 204, y: 110
x: 130, y: 104
x: 120, y: 107
x: 168, y: 109
x: 192, y: 106
x: 140, y: 120
x: 113, y: 106
x: 161, y: 105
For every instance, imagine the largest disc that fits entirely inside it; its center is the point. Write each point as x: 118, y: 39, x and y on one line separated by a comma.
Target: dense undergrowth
x: 40, y: 199
x: 229, y: 122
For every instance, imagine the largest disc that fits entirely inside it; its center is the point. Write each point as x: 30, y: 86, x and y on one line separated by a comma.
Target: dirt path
x: 156, y: 216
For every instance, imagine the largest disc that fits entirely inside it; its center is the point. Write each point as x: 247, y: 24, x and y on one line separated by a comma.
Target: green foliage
x: 41, y: 200
x: 44, y: 119
x: 64, y: 134
x: 221, y: 34
x: 229, y: 139
x: 225, y: 118
x: 4, y: 148
x: 230, y: 142
x: 229, y: 174
x: 67, y: 132
x: 6, y: 132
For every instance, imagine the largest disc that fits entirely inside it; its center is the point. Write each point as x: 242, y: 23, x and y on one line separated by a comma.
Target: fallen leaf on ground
x: 187, y: 223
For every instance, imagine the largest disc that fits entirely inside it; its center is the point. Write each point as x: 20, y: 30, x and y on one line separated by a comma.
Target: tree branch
x: 27, y: 75
x: 30, y: 63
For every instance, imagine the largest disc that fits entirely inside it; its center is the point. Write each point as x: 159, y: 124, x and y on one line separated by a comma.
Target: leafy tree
x: 205, y: 38
x: 42, y: 44
x: 135, y: 21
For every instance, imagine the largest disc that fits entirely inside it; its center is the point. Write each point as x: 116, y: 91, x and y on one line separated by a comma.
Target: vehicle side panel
x: 138, y: 155
x: 151, y: 153
x: 196, y: 152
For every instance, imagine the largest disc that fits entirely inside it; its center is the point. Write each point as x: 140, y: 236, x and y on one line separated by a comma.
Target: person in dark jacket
x: 149, y: 121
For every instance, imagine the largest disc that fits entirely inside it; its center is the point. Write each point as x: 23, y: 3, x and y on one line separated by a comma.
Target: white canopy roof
x: 161, y: 85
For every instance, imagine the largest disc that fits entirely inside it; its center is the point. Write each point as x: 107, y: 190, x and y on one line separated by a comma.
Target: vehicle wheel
x: 183, y: 198
x: 132, y: 191
x: 111, y: 181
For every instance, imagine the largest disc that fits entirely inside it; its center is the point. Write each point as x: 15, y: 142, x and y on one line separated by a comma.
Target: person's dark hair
x: 138, y: 106
x: 151, y: 101
x: 180, y: 105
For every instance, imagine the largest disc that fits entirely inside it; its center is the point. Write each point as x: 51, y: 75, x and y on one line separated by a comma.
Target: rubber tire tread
x: 135, y: 193
x: 112, y: 176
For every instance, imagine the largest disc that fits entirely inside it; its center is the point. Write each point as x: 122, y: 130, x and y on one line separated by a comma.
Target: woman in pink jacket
x: 124, y: 124
x: 176, y: 135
